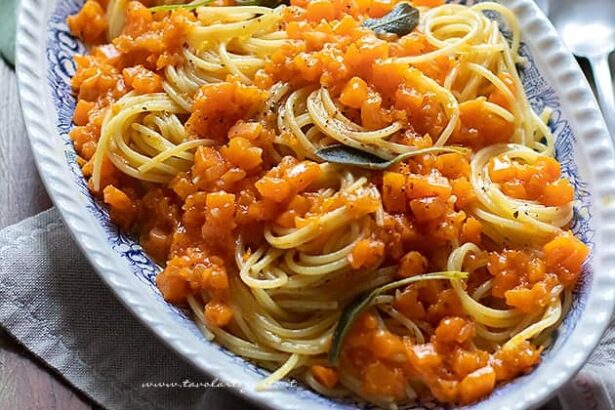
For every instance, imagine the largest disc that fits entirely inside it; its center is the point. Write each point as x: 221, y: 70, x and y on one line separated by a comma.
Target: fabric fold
x: 55, y: 305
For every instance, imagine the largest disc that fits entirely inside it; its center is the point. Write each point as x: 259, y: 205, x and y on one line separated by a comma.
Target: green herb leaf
x: 171, y: 7
x: 345, y: 155
x: 263, y: 3
x: 357, y: 306
x: 401, y: 21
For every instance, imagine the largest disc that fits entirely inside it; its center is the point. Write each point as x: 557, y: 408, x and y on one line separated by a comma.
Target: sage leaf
x: 345, y: 155
x: 401, y: 21
x: 357, y: 306
x: 171, y: 7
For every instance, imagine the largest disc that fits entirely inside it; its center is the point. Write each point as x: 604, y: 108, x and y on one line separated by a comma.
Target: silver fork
x: 588, y: 29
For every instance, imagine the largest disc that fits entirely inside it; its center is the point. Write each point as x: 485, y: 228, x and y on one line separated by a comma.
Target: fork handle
x: 604, y: 88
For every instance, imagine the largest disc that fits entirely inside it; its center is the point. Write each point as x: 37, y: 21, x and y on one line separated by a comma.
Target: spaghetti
x: 200, y: 125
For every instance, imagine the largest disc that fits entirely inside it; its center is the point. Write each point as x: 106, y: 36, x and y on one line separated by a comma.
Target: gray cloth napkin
x: 593, y: 388
x: 53, y: 303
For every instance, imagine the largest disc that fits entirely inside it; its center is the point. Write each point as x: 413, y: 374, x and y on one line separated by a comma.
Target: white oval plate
x: 552, y: 78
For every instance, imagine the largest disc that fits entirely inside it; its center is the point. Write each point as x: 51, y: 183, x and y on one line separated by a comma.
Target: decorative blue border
x: 60, y: 49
